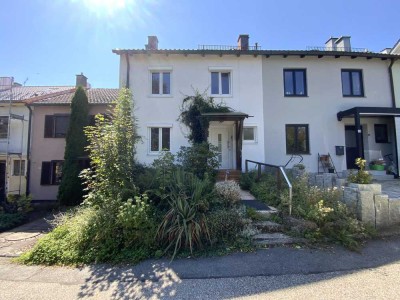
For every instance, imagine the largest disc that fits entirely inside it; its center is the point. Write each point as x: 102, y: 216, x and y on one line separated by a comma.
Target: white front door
x: 220, y: 137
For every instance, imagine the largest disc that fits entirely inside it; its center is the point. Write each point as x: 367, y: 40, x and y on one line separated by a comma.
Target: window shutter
x: 46, y: 173
x: 49, y: 127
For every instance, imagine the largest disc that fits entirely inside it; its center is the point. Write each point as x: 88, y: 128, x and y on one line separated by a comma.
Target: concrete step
x: 274, y: 239
x: 268, y: 226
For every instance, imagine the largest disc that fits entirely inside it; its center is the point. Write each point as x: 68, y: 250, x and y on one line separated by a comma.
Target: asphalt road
x: 278, y: 273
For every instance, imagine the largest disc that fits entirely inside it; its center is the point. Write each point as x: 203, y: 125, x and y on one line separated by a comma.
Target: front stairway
x: 228, y: 174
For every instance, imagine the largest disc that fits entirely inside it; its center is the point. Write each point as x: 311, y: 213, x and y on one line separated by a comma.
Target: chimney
x: 81, y: 80
x: 152, y: 43
x: 243, y: 42
x: 343, y: 44
x: 330, y: 44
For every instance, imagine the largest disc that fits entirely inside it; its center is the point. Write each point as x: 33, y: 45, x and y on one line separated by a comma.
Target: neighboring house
x: 335, y: 99
x: 14, y: 132
x: 50, y: 120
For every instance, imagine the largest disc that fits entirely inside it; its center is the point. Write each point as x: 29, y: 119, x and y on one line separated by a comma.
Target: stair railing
x: 280, y: 172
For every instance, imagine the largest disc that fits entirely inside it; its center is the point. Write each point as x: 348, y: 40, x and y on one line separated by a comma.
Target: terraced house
x: 289, y: 104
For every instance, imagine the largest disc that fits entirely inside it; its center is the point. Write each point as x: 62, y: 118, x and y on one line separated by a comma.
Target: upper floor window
x: 352, y: 83
x: 220, y: 83
x: 160, y: 139
x: 297, y: 139
x: 161, y: 83
x: 56, y: 126
x: 295, y: 83
x: 3, y: 127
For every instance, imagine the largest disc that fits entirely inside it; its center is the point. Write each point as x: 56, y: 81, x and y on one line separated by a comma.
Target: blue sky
x: 47, y: 42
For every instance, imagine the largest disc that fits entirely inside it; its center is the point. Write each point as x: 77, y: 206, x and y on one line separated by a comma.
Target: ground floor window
x: 250, y: 134
x: 160, y: 139
x: 381, y: 133
x: 19, y: 167
x: 51, y: 172
x: 297, y: 139
x: 3, y: 127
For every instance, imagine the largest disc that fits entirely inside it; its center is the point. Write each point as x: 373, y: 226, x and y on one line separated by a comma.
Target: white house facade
x: 335, y: 100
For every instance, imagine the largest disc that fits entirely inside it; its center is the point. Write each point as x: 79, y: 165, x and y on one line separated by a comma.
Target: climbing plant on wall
x: 191, y: 110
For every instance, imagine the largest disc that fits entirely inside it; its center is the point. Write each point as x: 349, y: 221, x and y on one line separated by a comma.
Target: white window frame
x: 160, y: 70
x: 159, y: 126
x: 22, y: 161
x: 255, y: 140
x: 221, y: 70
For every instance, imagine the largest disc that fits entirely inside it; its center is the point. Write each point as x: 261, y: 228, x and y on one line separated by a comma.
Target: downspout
x: 28, y: 147
x: 128, y: 69
x: 392, y: 61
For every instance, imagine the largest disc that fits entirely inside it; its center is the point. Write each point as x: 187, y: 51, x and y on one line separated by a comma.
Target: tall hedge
x: 70, y: 191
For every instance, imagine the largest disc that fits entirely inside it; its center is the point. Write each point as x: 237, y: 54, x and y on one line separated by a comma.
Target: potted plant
x: 377, y: 165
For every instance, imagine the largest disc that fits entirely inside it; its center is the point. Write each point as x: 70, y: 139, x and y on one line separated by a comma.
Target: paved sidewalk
x: 15, y: 241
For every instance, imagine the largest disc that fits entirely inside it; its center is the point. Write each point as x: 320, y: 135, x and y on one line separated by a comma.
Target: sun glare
x: 106, y: 7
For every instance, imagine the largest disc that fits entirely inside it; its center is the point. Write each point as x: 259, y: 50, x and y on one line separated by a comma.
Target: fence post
x: 246, y: 164
x: 259, y: 172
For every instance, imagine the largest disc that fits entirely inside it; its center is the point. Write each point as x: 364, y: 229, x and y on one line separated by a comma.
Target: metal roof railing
x: 339, y: 49
x: 226, y: 47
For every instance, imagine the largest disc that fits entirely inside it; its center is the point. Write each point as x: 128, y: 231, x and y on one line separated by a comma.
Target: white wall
x: 18, y: 130
x: 320, y: 107
x: 188, y: 73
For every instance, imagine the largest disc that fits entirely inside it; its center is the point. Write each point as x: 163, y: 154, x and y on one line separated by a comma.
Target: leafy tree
x: 70, y: 191
x: 112, y: 154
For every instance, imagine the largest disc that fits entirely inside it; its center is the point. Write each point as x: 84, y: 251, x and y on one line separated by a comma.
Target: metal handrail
x: 281, y: 170
x: 293, y: 157
x: 338, y: 49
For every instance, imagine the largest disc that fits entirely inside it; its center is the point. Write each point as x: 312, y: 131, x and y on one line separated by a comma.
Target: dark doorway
x: 2, y: 181
x: 351, y: 146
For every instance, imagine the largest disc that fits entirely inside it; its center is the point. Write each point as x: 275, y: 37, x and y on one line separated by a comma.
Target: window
x: 297, y: 139
x: 51, y: 172
x: 159, y: 139
x: 352, y: 83
x: 3, y: 127
x: 220, y: 83
x: 381, y: 133
x: 19, y: 168
x: 161, y: 83
x: 56, y: 126
x: 295, y: 83
x: 249, y: 134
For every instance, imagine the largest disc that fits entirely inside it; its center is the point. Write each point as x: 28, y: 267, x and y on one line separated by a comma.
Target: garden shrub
x: 200, y: 159
x: 224, y: 224
x: 247, y: 180
x: 12, y: 220
x: 228, y: 192
x: 362, y: 176
x: 266, y: 190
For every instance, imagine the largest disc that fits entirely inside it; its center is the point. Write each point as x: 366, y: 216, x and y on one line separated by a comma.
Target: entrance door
x: 2, y: 181
x: 351, y: 146
x: 219, y: 137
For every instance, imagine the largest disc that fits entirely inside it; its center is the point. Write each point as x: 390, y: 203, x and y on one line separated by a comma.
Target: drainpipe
x: 28, y: 147
x: 392, y: 61
x: 128, y: 69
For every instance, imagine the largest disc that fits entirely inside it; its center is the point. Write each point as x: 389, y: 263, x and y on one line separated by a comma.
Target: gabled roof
x: 22, y: 93
x: 95, y: 96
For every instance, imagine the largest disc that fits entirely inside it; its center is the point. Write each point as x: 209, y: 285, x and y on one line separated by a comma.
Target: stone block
x: 328, y: 180
x: 376, y: 188
x: 319, y: 180
x: 381, y: 211
x: 366, y: 207
x: 339, y: 182
x: 394, y: 212
x: 350, y: 196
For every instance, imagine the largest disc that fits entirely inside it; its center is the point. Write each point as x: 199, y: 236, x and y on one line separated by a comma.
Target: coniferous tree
x: 70, y: 191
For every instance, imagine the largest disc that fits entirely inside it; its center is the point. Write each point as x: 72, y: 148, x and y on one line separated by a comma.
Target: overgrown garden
x: 132, y: 212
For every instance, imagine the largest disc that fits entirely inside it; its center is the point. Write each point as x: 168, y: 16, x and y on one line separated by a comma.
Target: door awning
x: 368, y: 112
x: 227, y: 116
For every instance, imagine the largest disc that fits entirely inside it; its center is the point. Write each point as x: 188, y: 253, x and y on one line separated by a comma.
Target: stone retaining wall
x: 366, y: 200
